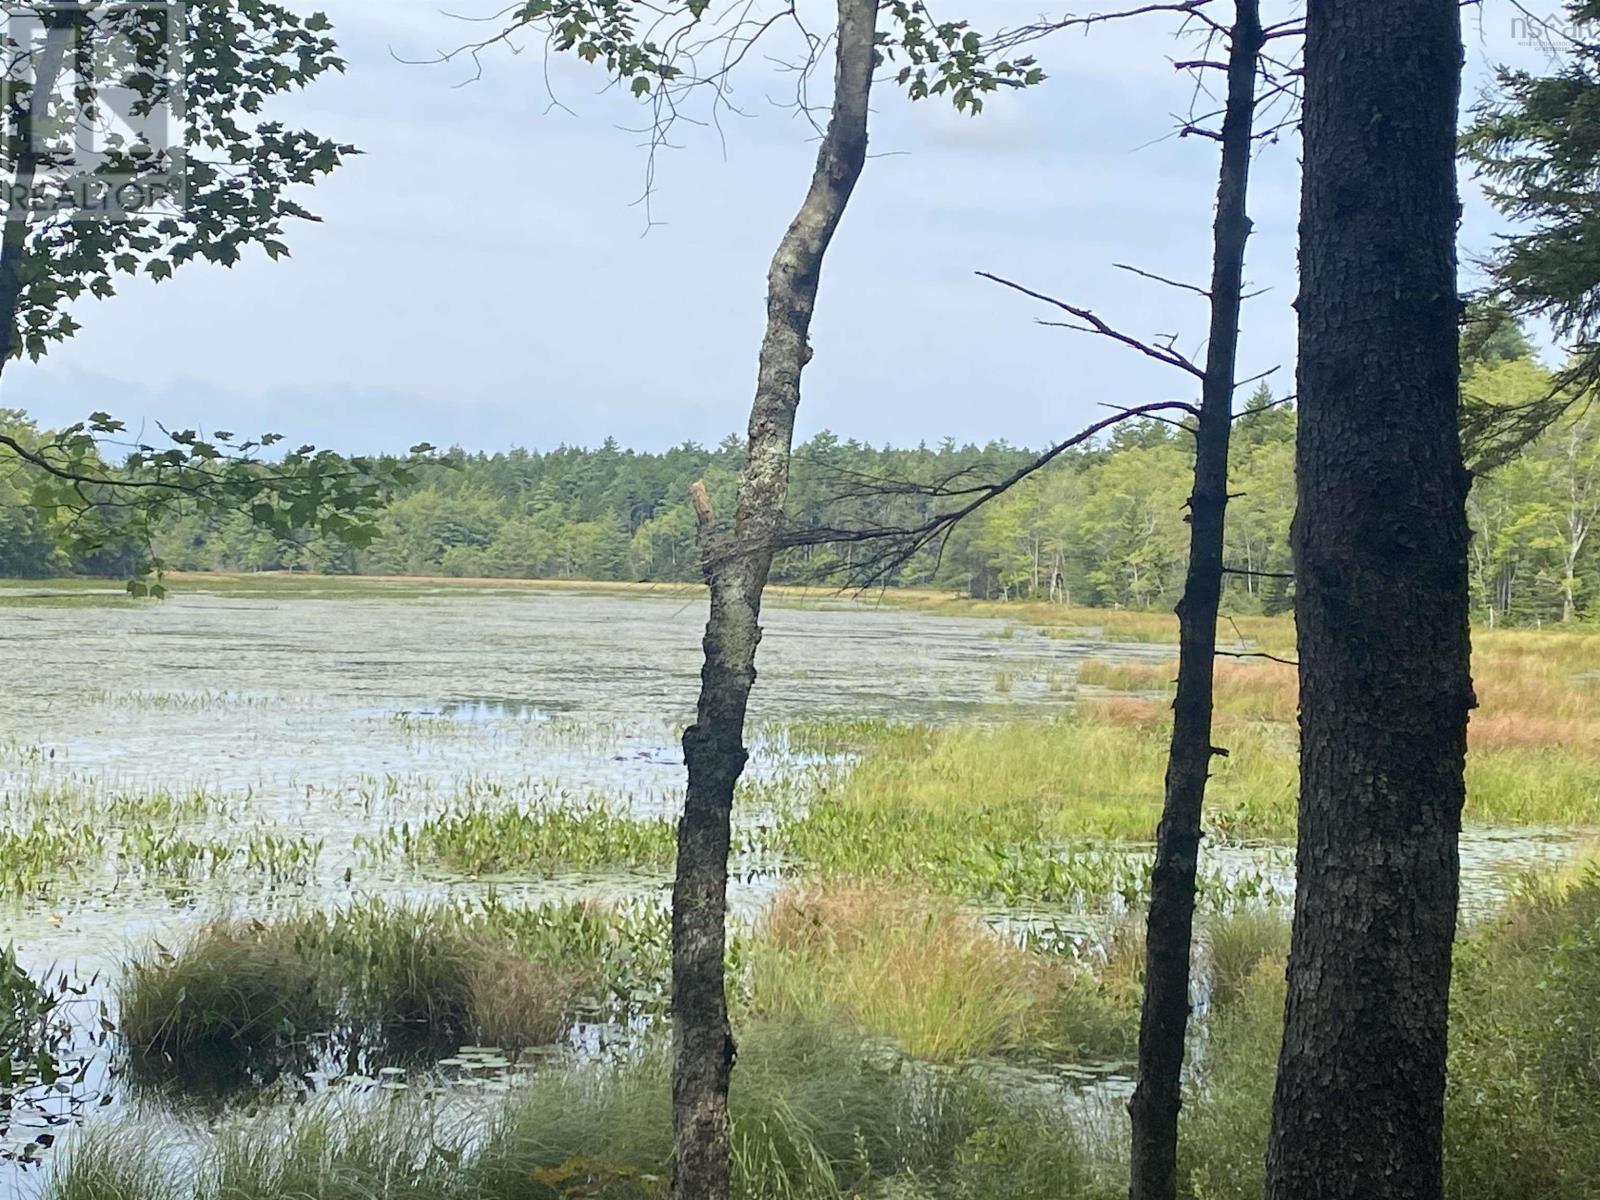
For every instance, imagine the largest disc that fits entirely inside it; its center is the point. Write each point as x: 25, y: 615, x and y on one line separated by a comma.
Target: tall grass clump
x: 1236, y: 944
x: 120, y: 1162
x: 386, y: 978
x: 940, y: 983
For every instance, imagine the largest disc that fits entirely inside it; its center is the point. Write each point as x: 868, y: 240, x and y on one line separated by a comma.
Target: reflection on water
x: 474, y: 710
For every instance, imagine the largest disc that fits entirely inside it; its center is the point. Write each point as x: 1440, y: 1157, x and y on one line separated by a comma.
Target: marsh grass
x: 823, y: 1115
x: 1096, y: 774
x: 815, y: 1116
x: 823, y: 737
x: 383, y: 978
x: 1533, y: 786
x: 1223, y: 1129
x: 1524, y: 1104
x: 940, y: 983
x: 1125, y: 676
x: 1534, y: 688
x: 977, y: 852
x: 1003, y: 811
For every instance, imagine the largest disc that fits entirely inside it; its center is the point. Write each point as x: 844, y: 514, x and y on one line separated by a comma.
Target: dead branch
x: 1151, y: 275
x: 1093, y: 324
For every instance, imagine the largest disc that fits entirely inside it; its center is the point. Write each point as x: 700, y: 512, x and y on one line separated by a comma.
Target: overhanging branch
x: 893, y: 546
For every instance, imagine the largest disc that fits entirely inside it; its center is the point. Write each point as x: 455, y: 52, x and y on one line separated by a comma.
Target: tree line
x: 1102, y: 526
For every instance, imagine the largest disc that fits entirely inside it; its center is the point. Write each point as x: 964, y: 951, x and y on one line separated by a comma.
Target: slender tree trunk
x: 1380, y: 542
x: 736, y: 568
x: 1164, y: 1020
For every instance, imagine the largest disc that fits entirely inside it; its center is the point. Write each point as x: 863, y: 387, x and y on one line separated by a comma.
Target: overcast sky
x: 483, y: 276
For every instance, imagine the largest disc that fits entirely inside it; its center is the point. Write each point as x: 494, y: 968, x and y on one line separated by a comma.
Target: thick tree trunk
x: 736, y: 568
x: 1165, y: 1017
x: 1380, y: 542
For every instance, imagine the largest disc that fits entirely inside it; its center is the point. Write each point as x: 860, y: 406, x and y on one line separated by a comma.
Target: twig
x: 1177, y: 283
x: 1288, y: 662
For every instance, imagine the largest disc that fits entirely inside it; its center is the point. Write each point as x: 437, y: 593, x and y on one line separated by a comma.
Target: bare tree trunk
x: 736, y: 568
x: 1165, y: 1017
x: 1381, y: 606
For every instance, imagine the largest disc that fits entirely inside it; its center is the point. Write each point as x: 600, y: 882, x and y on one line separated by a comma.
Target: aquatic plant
x: 480, y: 839
x: 48, y: 1053
x: 33, y: 1027
x: 44, y: 852
x: 170, y: 855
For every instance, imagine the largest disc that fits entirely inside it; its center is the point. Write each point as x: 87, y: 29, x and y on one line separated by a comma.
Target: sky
x: 485, y: 276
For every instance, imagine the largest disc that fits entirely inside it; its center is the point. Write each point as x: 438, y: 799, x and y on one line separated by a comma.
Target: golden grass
x: 1135, y: 712
x: 1536, y: 689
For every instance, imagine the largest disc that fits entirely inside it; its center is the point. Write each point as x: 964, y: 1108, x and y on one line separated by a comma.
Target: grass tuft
x: 385, y: 978
x: 941, y: 984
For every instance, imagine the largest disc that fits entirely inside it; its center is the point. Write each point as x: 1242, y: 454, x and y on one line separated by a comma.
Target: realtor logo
x: 92, y: 108
x: 1554, y: 34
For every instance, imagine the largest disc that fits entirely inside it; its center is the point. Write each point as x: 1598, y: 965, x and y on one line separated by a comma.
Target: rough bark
x: 1380, y: 544
x: 736, y: 568
x: 1157, y: 1097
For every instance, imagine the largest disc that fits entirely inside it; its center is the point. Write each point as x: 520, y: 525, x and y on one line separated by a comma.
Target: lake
x: 240, y: 754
